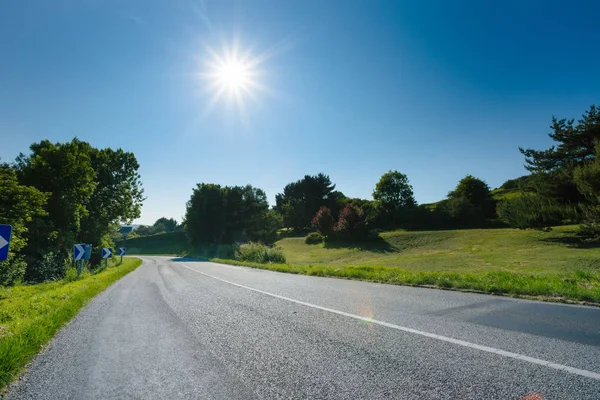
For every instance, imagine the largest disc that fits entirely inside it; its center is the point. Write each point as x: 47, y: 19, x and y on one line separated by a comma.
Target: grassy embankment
x: 552, y: 265
x: 30, y: 315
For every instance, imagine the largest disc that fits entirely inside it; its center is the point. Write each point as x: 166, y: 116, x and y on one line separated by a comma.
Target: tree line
x: 65, y: 193
x: 563, y: 187
x: 61, y: 194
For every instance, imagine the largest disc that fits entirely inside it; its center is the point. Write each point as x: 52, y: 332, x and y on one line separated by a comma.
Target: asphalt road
x: 196, y: 330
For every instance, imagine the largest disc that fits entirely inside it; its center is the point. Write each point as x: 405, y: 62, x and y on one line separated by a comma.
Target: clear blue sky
x: 434, y: 89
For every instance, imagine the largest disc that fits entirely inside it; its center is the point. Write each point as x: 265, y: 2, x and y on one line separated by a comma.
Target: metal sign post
x: 79, y: 251
x: 122, y: 251
x: 106, y: 254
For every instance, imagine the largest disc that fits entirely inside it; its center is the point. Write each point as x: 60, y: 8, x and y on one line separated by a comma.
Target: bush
x: 591, y: 226
x: 71, y: 275
x: 51, y: 266
x: 12, y: 271
x: 227, y: 251
x: 534, y: 212
x: 314, y: 238
x: 323, y: 221
x: 259, y: 253
x: 351, y: 224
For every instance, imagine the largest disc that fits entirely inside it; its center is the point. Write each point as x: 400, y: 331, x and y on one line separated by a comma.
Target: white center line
x: 566, y: 368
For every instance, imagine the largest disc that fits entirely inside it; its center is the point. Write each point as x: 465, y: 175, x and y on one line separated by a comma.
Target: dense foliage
x: 324, y: 221
x: 19, y: 205
x: 564, y: 175
x: 61, y: 194
x: 301, y: 200
x: 393, y: 195
x: 228, y: 214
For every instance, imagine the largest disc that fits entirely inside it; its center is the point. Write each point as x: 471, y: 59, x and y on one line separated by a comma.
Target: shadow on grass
x: 574, y: 242
x: 377, y: 245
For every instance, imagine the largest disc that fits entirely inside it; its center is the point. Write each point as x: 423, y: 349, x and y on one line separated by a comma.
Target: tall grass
x: 259, y: 253
x: 30, y: 315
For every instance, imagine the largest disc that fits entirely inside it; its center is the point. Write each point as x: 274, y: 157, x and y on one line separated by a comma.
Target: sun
x: 234, y: 75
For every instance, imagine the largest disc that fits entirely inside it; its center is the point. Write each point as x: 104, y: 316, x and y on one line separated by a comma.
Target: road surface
x: 176, y: 328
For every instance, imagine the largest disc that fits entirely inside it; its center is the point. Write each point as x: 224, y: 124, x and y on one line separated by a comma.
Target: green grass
x: 552, y: 265
x: 506, y: 194
x: 30, y: 315
x: 161, y: 244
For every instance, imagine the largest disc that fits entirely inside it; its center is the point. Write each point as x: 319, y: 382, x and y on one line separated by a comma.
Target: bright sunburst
x: 233, y: 75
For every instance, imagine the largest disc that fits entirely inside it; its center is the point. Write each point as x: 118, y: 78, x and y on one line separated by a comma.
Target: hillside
x: 458, y: 250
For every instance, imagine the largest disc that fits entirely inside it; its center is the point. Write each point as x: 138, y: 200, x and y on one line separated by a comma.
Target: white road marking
x: 560, y: 367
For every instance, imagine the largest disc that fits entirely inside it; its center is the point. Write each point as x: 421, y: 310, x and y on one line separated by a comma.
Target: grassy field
x: 30, y: 315
x: 469, y: 250
x: 550, y: 265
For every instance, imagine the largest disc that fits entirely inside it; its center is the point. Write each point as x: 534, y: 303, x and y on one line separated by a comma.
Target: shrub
x: 351, y: 224
x: 226, y: 251
x: 12, y: 271
x: 533, y: 212
x: 71, y: 275
x: 51, y: 266
x: 259, y: 253
x: 314, y: 238
x: 591, y: 226
x: 323, y: 221
x: 373, y: 234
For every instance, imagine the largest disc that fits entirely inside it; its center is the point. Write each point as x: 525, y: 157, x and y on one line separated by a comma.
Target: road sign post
x: 122, y: 251
x: 106, y: 254
x: 79, y: 251
x: 5, y: 233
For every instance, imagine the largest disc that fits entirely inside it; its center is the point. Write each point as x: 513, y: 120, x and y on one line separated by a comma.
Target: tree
x: 91, y: 190
x: 217, y: 215
x: 301, y: 200
x: 117, y: 196
x: 144, y: 230
x: 587, y: 179
x: 393, y: 194
x: 552, y: 169
x: 205, y: 214
x: 19, y: 205
x: 323, y: 221
x: 351, y: 224
x: 164, y: 224
x: 476, y: 193
x: 64, y: 171
x: 531, y: 211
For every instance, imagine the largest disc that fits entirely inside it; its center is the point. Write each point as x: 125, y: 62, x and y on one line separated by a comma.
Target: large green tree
x: 393, y: 195
x: 474, y: 197
x: 117, y: 196
x: 587, y: 179
x: 164, y: 224
x: 65, y: 171
x: 552, y: 169
x: 19, y: 205
x: 221, y: 215
x: 90, y: 191
x: 301, y: 200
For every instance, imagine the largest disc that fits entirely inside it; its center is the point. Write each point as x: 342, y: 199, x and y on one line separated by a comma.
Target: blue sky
x: 434, y: 89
